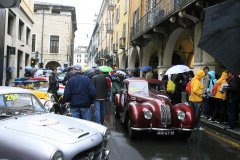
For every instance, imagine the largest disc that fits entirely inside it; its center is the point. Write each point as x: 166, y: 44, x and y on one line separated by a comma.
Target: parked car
x: 28, y: 131
x: 39, y: 88
x: 143, y: 105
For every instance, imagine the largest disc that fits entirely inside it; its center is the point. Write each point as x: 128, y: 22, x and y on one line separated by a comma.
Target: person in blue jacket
x: 80, y: 92
x: 212, y: 80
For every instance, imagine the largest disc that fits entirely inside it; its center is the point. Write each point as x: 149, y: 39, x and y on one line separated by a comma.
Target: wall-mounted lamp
x: 172, y: 19
x: 182, y: 14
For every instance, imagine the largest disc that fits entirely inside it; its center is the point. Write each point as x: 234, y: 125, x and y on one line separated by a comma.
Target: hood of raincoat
x: 212, y: 74
x: 200, y: 74
x: 223, y: 77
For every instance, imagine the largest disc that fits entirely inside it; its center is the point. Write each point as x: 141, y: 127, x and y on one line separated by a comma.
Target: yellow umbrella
x: 85, y: 68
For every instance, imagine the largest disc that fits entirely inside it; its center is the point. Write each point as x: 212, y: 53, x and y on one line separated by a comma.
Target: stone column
x: 201, y: 58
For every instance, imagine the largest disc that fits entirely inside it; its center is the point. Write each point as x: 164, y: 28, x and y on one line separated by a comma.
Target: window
x: 55, y: 12
x: 34, y: 43
x: 54, y: 44
x: 28, y: 36
x: 117, y: 38
x: 78, y: 55
x: 124, y: 30
x: 10, y: 23
x: 20, y: 30
x: 125, y: 7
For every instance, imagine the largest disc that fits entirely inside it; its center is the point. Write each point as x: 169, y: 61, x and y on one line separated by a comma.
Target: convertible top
x: 13, y: 90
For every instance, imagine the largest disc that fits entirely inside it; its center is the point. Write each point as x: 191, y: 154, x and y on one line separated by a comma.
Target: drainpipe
x: 2, y: 40
x: 42, y: 36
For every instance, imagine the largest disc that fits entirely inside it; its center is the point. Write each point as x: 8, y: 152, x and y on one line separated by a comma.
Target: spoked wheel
x: 131, y: 133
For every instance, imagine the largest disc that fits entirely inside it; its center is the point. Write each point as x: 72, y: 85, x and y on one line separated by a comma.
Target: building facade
x: 160, y: 33
x: 16, y: 40
x: 101, y: 44
x: 53, y: 34
x: 80, y: 56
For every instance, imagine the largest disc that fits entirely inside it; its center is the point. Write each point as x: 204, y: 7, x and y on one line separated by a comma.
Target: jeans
x: 99, y: 106
x: 197, y: 107
x: 83, y: 113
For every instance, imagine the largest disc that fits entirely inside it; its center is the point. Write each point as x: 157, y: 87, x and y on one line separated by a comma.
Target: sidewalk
x: 233, y: 133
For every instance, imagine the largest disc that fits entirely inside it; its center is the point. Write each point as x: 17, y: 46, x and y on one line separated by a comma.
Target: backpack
x: 170, y: 87
x: 188, y: 86
x: 215, y: 87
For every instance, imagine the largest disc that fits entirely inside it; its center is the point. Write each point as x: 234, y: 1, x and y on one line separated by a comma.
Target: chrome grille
x: 165, y: 114
x: 84, y: 155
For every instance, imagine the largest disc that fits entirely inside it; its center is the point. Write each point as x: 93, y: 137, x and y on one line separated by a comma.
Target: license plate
x: 165, y: 133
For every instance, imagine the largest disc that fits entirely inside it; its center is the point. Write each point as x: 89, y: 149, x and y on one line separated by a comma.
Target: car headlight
x: 57, y: 155
x: 181, y: 115
x: 107, y: 134
x: 148, y: 114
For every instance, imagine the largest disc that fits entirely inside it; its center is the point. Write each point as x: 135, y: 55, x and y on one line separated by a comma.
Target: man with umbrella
x: 53, y: 82
x: 9, y: 75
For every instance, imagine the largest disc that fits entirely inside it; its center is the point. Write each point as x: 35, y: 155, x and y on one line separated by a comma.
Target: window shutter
x: 125, y: 7
x: 147, y: 5
x: 118, y: 13
x: 137, y: 15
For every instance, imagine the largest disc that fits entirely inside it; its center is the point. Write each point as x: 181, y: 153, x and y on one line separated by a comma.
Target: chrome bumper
x: 161, y: 129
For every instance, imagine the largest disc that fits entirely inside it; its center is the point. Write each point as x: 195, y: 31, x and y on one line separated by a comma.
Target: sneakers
x: 203, y: 116
x: 216, y: 122
x: 200, y: 129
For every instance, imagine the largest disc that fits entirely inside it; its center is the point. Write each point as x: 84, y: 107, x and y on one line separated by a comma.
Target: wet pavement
x: 200, y: 146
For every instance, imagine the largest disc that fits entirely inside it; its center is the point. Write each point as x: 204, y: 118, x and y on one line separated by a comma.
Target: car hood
x: 150, y: 95
x: 55, y: 127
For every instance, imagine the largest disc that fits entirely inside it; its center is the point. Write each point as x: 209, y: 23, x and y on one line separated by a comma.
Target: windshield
x: 18, y: 104
x: 146, y: 86
x: 138, y: 86
x: 156, y: 87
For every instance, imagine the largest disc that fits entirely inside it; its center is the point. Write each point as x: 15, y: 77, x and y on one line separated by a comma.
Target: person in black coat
x: 53, y: 82
x: 101, y: 85
x: 68, y: 75
x: 233, y: 92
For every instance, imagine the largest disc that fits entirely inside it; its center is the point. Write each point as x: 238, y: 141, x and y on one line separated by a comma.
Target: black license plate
x: 165, y: 133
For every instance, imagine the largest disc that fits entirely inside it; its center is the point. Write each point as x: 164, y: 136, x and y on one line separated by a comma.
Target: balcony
x: 96, y: 60
x: 115, y: 49
x: 109, y: 28
x: 163, y: 9
x: 105, y: 52
x: 110, y: 6
x: 122, y: 43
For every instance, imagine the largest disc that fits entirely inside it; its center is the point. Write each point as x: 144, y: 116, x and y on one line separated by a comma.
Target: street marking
x: 223, y: 139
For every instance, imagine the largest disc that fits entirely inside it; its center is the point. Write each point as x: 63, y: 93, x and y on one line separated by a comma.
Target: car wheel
x: 185, y: 134
x: 131, y: 133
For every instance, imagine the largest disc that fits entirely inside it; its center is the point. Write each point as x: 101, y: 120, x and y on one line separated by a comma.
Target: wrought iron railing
x: 161, y: 11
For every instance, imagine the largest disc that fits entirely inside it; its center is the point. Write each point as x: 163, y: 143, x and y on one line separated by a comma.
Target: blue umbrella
x: 95, y: 66
x: 28, y: 67
x: 10, y: 68
x: 146, y: 68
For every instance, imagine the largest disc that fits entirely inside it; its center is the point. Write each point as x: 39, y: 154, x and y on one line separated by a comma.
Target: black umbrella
x: 89, y: 72
x: 221, y: 34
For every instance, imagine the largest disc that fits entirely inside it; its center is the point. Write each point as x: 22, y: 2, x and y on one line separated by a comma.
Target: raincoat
x: 219, y: 94
x: 212, y: 81
x: 197, y: 87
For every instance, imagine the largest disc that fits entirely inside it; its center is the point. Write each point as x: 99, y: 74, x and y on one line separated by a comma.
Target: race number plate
x: 165, y: 133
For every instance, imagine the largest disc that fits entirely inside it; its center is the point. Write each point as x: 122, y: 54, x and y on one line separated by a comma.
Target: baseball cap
x: 77, y: 67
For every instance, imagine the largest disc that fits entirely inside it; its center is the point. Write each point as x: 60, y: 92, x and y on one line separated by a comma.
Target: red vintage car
x: 143, y: 105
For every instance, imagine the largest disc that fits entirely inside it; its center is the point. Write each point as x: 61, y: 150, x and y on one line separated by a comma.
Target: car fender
x: 190, y: 116
x: 117, y: 102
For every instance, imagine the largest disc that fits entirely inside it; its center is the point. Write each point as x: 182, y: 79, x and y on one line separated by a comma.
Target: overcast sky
x: 85, y: 11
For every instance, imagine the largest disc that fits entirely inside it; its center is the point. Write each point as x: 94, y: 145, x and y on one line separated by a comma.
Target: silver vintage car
x: 29, y: 131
